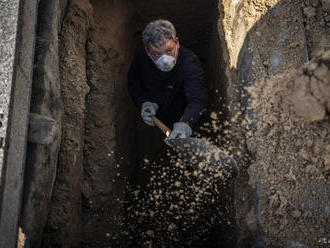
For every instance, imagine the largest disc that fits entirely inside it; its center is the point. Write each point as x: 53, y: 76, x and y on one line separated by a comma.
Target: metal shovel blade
x: 205, y: 156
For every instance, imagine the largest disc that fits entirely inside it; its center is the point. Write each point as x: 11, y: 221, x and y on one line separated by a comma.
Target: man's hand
x: 181, y: 130
x: 148, y: 109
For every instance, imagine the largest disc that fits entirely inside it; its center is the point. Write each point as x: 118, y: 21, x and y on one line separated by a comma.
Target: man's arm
x: 134, y: 85
x: 195, y: 91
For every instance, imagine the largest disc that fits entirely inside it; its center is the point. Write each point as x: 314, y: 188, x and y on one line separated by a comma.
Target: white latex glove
x: 181, y: 130
x: 148, y: 109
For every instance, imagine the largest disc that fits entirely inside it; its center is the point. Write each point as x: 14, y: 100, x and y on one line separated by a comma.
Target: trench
x: 119, y: 149
x: 99, y: 177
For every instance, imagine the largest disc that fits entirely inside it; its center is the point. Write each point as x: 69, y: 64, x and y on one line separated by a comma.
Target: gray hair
x: 158, y: 32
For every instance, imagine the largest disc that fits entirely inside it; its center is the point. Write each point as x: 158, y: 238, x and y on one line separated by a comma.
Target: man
x: 166, y: 80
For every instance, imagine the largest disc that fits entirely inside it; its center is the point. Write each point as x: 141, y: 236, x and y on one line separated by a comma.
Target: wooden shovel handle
x: 161, y: 125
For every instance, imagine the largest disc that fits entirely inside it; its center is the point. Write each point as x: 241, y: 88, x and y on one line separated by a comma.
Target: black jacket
x: 180, y: 93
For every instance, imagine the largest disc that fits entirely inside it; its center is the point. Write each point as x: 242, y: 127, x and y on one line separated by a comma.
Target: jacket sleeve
x: 134, y: 84
x: 195, y: 91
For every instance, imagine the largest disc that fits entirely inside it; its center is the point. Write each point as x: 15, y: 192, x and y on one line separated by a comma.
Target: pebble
x: 150, y: 233
x: 326, y: 5
x: 310, y: 12
x: 171, y: 227
x: 311, y: 67
x: 296, y: 213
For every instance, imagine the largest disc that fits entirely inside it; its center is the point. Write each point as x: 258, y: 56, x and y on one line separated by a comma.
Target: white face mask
x: 165, y: 62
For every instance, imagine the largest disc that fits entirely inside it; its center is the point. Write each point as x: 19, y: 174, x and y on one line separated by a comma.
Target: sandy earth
x: 279, y: 121
x: 292, y: 143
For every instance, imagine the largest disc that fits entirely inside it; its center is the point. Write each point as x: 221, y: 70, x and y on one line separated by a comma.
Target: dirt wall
x: 64, y: 220
x: 264, y: 133
x: 109, y: 150
x: 292, y: 144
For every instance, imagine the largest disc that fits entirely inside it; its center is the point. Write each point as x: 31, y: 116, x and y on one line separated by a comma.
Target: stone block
x: 46, y: 106
x: 17, y: 35
x: 42, y: 129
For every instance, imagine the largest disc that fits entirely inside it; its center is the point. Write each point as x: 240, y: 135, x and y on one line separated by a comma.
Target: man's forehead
x: 169, y: 43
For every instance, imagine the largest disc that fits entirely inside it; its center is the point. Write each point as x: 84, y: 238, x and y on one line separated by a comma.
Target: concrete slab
x: 9, y: 12
x: 17, y: 36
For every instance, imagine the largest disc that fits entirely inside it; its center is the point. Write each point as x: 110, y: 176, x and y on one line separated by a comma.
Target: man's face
x: 169, y: 48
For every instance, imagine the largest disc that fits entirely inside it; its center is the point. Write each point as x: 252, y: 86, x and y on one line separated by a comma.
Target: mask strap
x: 151, y: 57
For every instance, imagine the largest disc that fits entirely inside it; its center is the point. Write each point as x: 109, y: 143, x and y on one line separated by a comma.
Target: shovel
x: 207, y: 158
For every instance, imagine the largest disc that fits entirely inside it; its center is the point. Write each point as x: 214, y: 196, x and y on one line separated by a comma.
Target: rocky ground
x: 292, y: 140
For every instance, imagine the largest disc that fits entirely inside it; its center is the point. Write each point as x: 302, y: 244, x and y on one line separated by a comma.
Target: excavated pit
x: 117, y: 143
x: 89, y: 186
x: 105, y: 148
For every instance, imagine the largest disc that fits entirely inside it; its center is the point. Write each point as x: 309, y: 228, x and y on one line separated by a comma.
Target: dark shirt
x: 180, y: 93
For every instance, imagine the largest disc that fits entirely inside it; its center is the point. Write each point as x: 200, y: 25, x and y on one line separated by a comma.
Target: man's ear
x: 177, y: 42
x: 146, y: 49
